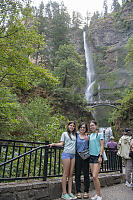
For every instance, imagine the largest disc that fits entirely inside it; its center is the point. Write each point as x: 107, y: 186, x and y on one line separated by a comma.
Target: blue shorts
x: 93, y: 159
x: 67, y: 155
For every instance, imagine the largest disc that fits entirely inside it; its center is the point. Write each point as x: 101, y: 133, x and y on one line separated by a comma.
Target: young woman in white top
x: 68, y: 140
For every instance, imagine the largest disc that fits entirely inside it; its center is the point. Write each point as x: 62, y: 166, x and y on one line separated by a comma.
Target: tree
x: 54, y: 26
x: 115, y: 6
x: 38, y: 121
x: 10, y: 110
x: 129, y: 57
x: 19, y: 40
x: 88, y: 17
x: 105, y: 6
x: 95, y: 17
x: 76, y: 20
x: 60, y: 25
x: 68, y: 67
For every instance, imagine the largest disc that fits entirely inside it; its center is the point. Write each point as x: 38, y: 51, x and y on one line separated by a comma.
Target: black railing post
x: 45, y: 167
x: 120, y: 159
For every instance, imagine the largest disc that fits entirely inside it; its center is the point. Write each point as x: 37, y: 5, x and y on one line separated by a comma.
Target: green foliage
x: 122, y: 23
x: 95, y: 18
x: 60, y: 28
x: 115, y: 6
x: 53, y: 23
x: 96, y: 88
x: 129, y: 57
x: 123, y: 117
x: 40, y: 121
x: 111, y: 79
x: 9, y: 111
x: 76, y: 19
x: 74, y: 106
x: 19, y: 40
x: 105, y: 6
x: 68, y: 67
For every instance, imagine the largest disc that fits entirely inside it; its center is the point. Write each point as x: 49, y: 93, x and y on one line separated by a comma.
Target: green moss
x: 95, y: 88
x: 124, y: 115
x: 121, y: 57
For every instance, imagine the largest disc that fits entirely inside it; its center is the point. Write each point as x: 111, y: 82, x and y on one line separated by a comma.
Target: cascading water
x: 90, y: 74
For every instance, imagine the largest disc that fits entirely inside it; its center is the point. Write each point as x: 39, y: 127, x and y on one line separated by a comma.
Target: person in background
x: 80, y: 164
x: 68, y: 139
x: 131, y: 149
x: 123, y: 151
x: 112, y: 148
x: 96, y: 148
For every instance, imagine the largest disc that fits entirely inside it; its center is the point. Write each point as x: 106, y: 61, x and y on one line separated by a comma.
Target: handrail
x: 30, y: 162
x: 28, y: 152
x: 20, y: 141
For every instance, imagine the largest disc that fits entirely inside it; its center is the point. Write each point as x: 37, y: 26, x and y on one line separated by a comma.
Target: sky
x: 81, y: 6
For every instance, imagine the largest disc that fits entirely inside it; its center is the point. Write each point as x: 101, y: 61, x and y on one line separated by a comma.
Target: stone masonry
x: 48, y: 190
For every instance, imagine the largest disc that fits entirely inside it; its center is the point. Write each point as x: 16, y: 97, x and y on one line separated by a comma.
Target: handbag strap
x: 76, y: 141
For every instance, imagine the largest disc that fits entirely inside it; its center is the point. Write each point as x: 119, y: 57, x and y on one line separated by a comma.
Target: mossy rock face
x: 95, y: 93
x: 123, y: 117
x: 108, y: 38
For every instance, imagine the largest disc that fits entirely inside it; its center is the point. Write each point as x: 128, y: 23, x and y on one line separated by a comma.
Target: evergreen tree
x: 60, y: 26
x: 88, y: 17
x: 105, y: 6
x: 115, y: 6
x: 19, y: 40
x: 76, y: 20
x: 95, y: 17
x: 68, y: 67
x: 53, y: 24
x: 129, y: 57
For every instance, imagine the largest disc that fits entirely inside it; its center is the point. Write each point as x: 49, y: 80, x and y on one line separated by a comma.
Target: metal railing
x: 33, y: 160
x: 113, y: 163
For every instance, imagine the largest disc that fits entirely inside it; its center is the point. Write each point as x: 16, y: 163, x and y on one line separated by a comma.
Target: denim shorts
x: 67, y: 155
x: 93, y: 159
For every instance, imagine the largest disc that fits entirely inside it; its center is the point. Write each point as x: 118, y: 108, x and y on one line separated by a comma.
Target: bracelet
x: 101, y: 155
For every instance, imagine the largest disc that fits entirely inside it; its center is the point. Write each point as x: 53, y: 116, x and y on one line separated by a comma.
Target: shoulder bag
x: 84, y: 154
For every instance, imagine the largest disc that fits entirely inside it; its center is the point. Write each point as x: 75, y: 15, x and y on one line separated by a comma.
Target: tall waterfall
x: 90, y: 74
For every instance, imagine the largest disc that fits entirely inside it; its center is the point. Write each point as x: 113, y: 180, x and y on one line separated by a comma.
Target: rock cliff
x: 108, y: 37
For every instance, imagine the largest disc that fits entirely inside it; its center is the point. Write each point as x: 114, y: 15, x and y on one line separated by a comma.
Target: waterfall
x: 90, y: 74
x: 107, y: 133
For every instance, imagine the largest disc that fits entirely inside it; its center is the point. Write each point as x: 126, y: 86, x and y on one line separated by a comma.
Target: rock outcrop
x: 108, y: 38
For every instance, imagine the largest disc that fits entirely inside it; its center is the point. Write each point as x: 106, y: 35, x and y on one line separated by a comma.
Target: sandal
x: 85, y: 196
x: 79, y: 196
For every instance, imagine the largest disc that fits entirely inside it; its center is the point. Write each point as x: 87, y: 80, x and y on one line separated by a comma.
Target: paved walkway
x: 116, y: 192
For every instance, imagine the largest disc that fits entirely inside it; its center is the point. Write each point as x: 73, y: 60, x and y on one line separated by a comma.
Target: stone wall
x: 48, y: 190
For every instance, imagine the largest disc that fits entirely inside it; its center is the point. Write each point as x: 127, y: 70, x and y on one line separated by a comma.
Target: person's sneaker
x: 65, y: 196
x: 99, y: 198
x: 72, y: 196
x: 128, y: 184
x: 94, y: 198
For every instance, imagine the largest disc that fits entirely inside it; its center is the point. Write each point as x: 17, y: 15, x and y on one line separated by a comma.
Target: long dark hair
x: 81, y: 124
x: 68, y: 130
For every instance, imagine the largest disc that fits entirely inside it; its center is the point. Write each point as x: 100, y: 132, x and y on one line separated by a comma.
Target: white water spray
x: 90, y: 74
